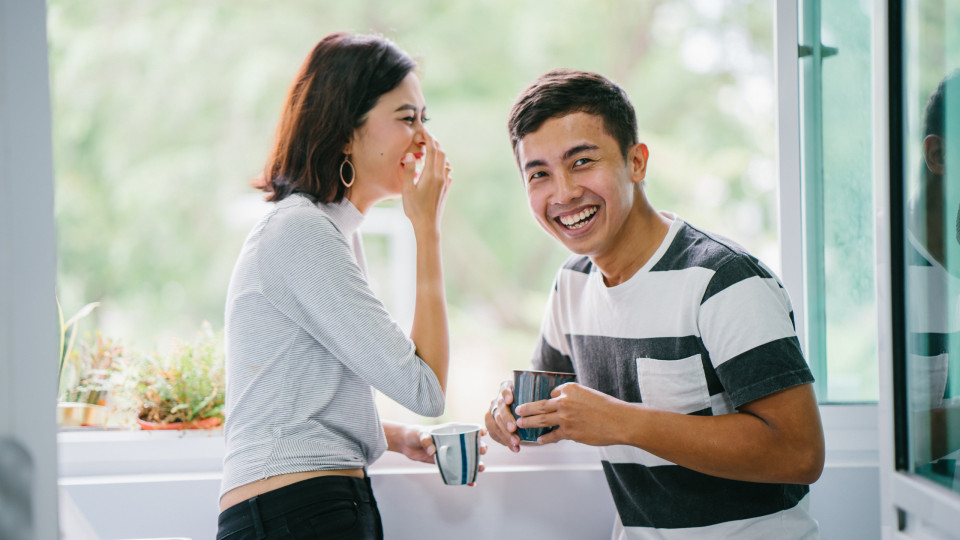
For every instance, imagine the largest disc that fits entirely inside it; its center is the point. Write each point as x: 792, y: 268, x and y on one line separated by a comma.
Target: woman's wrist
x: 394, y: 433
x: 427, y: 233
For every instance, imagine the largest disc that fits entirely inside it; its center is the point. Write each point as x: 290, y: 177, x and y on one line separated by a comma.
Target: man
x: 690, y: 375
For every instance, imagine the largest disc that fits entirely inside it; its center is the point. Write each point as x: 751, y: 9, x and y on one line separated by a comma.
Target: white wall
x: 28, y: 317
x: 557, y: 491
x: 565, y: 504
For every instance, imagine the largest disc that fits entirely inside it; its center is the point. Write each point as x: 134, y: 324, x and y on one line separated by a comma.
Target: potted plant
x: 87, y: 379
x: 84, y: 374
x: 182, y: 389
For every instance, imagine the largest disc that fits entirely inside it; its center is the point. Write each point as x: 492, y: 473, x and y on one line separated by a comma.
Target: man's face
x: 579, y: 187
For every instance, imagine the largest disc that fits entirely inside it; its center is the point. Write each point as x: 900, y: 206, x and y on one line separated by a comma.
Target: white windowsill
x: 87, y: 457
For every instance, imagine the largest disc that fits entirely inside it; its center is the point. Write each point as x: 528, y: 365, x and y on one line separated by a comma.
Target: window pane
x: 932, y: 237
x: 838, y: 205
x: 161, y: 122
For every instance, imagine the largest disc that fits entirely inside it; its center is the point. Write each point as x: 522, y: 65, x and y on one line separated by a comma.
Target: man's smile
x: 576, y: 220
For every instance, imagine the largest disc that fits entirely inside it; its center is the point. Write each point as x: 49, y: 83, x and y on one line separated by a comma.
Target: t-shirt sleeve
x: 746, y: 323
x: 552, y: 350
x: 310, y: 274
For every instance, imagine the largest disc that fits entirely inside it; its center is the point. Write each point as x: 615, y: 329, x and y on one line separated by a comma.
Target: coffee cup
x: 458, y: 452
x: 532, y: 385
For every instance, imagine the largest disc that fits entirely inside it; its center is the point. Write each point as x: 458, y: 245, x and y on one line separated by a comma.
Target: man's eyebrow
x: 566, y: 155
x: 534, y: 164
x: 577, y: 149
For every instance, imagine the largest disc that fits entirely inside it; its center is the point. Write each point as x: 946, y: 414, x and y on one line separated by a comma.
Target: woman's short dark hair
x: 338, y: 84
x: 565, y: 91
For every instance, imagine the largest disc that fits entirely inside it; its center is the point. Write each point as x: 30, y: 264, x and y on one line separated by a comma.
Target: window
x: 919, y: 293
x: 163, y: 112
x: 931, y: 239
x: 838, y: 238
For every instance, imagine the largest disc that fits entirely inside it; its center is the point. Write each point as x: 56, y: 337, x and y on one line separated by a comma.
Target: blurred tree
x: 164, y: 110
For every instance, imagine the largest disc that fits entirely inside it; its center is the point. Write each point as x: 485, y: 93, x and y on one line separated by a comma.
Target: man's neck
x: 926, y: 218
x: 639, y: 239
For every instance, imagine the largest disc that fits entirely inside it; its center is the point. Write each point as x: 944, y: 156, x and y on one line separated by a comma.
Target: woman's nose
x: 420, y: 135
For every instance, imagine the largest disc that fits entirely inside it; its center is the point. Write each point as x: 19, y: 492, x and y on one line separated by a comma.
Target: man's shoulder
x: 694, y: 247
x: 578, y: 263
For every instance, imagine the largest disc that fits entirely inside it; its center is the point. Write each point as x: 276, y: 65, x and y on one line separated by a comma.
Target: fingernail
x: 511, y: 426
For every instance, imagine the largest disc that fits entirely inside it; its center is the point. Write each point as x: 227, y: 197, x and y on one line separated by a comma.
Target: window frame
x: 911, y: 506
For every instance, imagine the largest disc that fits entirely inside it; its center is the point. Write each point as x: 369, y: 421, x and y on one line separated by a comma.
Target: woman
x: 306, y: 339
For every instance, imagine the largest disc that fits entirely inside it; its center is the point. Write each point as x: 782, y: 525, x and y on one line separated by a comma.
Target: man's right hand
x: 501, y: 425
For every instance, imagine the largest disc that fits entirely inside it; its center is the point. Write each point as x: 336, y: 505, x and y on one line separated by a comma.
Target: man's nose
x: 567, y: 188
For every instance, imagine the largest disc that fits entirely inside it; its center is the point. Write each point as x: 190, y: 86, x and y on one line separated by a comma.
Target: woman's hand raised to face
x: 423, y: 197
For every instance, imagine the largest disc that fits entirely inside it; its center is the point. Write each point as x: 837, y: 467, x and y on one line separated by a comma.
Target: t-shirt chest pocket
x: 673, y: 385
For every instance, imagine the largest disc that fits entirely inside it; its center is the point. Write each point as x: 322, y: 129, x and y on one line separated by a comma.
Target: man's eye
x: 537, y: 175
x: 582, y: 161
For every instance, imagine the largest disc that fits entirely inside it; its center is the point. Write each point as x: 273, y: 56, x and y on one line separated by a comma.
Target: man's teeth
x: 575, y: 221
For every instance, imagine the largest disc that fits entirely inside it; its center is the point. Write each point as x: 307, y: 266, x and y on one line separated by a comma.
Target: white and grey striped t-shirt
x: 307, y: 342
x: 933, y: 323
x: 701, y: 329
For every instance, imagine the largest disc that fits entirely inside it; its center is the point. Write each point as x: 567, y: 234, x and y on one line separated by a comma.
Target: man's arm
x: 777, y: 438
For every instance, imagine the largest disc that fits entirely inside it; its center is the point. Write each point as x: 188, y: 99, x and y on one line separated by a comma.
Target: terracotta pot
x: 203, y: 423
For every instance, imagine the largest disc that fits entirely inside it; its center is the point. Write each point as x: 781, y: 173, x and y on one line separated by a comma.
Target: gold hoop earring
x: 353, y: 172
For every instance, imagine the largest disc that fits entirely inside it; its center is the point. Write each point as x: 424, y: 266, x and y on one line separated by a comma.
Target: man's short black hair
x: 565, y: 91
x: 934, y: 112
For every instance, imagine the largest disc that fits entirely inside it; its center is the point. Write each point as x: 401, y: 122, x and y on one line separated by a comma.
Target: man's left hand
x: 582, y: 414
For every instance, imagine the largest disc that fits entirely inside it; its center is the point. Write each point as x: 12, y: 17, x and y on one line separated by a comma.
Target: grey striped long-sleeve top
x: 307, y: 342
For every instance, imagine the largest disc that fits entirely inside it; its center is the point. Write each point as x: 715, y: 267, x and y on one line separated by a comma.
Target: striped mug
x: 458, y: 452
x: 532, y: 385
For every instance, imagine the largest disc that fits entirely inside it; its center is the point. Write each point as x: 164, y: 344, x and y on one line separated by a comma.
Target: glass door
x: 923, y: 118
x: 931, y: 232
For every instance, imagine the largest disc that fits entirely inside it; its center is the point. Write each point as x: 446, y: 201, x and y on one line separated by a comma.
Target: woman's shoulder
x: 298, y: 215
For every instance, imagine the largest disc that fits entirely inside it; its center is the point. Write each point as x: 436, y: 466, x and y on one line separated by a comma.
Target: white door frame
x: 28, y: 313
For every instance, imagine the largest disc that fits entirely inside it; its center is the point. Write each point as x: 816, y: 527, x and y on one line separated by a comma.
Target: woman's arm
x: 410, y: 441
x: 423, y: 201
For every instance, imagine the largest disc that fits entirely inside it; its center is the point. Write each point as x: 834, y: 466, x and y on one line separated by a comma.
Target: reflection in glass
x: 932, y: 239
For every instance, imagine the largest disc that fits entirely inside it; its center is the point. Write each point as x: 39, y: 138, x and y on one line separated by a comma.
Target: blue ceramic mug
x: 532, y: 385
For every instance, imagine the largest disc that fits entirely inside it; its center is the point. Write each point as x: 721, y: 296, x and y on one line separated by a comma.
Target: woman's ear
x: 933, y: 154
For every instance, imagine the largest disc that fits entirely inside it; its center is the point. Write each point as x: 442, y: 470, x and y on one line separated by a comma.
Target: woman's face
x: 393, y: 128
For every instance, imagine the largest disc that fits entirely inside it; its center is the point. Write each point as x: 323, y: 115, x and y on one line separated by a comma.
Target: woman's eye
x: 409, y: 119
x: 424, y: 120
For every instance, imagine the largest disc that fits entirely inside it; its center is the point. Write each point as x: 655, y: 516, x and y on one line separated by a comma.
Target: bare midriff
x: 247, y: 491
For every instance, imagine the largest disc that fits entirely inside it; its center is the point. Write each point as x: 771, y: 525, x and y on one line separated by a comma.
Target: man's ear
x: 933, y: 154
x: 637, y: 160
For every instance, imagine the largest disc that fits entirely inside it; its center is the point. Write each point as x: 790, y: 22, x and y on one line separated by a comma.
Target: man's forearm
x: 784, y: 447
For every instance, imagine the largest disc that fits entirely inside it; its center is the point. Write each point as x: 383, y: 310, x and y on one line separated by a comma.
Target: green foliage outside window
x: 164, y: 110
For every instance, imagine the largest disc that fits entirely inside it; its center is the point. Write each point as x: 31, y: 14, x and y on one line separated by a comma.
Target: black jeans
x: 324, y: 507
